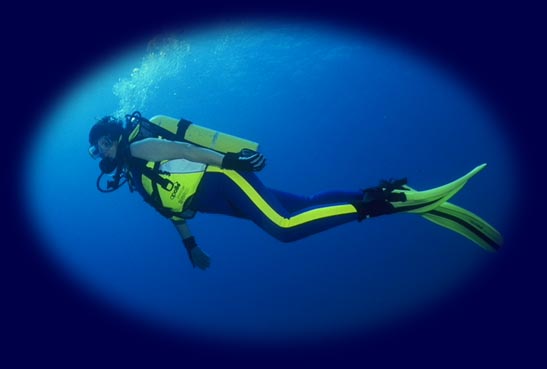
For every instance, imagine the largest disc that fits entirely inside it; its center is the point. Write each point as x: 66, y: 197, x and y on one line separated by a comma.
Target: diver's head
x: 104, y: 137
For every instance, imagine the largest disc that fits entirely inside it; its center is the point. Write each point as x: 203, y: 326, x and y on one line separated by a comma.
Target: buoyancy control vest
x: 170, y: 184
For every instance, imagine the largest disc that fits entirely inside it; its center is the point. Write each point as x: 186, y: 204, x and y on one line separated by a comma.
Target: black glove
x: 246, y: 161
x: 195, y: 254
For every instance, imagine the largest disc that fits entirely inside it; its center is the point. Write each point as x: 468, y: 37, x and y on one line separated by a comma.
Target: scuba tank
x: 186, y: 131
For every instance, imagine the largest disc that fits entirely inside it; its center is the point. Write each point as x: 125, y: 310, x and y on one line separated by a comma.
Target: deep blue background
x: 497, y: 322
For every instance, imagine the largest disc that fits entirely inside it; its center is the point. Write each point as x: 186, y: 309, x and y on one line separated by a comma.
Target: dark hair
x: 106, y: 126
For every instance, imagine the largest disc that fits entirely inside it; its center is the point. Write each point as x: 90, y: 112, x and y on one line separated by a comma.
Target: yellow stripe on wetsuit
x: 272, y: 214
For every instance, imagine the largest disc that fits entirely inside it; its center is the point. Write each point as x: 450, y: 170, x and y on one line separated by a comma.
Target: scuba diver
x: 181, y: 169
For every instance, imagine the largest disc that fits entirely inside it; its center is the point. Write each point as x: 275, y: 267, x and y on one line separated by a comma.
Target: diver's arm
x: 182, y: 228
x: 155, y: 149
x: 195, y: 254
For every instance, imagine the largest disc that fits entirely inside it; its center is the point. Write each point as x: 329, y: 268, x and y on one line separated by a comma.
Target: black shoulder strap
x: 154, y: 174
x: 156, y: 130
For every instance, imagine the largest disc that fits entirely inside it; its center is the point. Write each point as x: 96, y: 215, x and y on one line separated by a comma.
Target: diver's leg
x: 293, y: 202
x: 244, y: 195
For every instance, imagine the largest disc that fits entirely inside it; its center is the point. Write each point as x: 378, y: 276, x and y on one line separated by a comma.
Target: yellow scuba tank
x: 204, y: 137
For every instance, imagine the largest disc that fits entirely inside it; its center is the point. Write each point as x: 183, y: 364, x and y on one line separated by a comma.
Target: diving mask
x: 104, y: 142
x: 94, y: 152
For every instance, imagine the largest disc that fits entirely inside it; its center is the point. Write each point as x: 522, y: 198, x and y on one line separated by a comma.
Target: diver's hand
x: 199, y: 258
x: 196, y: 255
x: 246, y: 161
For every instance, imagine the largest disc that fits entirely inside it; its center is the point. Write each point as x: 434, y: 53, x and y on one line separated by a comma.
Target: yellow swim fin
x: 467, y: 224
x: 424, y: 201
x: 464, y: 222
x: 397, y: 197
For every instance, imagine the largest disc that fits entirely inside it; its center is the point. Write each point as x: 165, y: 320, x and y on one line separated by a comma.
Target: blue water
x: 331, y: 109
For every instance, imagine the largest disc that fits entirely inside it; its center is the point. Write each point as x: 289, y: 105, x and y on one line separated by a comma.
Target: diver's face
x: 107, y: 147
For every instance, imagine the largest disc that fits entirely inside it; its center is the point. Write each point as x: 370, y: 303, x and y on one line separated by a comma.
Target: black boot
x: 377, y: 200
